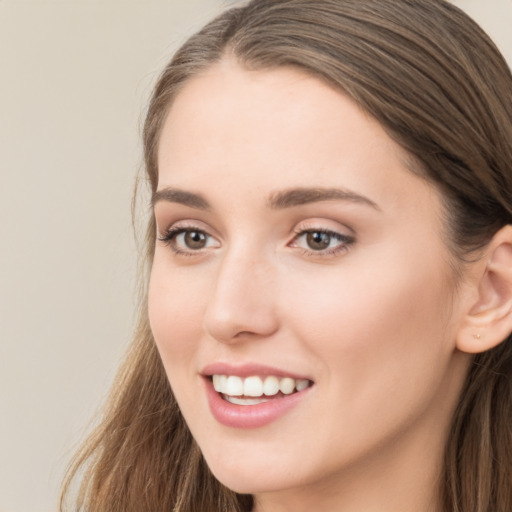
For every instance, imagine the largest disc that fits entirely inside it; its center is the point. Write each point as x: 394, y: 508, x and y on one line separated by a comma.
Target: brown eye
x: 189, y: 240
x: 317, y: 240
x: 195, y: 240
x: 322, y: 242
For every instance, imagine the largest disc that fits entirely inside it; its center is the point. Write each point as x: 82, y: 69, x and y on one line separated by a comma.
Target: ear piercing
x: 477, y: 336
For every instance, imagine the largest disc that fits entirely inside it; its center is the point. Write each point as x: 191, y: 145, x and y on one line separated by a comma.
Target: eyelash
x: 170, y: 236
x: 345, y: 241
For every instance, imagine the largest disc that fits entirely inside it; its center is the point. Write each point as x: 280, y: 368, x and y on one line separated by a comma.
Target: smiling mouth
x: 256, y: 390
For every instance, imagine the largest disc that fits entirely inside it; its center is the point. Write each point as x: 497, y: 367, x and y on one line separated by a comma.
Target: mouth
x: 254, y: 390
x: 251, y: 395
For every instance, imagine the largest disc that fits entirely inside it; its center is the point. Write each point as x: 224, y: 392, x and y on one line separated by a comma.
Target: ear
x: 488, y: 320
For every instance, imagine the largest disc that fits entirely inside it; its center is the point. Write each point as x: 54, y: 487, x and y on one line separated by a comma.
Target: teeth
x: 302, y: 384
x: 287, y: 385
x: 271, y: 386
x: 217, y: 382
x: 234, y: 386
x: 245, y: 401
x: 254, y: 386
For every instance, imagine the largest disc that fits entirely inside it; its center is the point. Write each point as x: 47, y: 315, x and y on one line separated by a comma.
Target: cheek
x: 375, y: 330
x: 380, y: 351
x: 175, y: 314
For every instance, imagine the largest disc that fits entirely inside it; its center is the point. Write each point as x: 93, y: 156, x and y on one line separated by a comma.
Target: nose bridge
x: 242, y: 299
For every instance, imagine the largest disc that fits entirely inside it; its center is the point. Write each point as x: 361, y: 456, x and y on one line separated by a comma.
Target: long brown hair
x: 441, y: 89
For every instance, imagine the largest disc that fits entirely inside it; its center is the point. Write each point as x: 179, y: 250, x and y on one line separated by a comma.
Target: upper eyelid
x: 342, y: 237
x: 304, y: 226
x: 324, y: 226
x: 165, y: 227
x: 298, y: 227
x: 177, y: 230
x: 323, y: 229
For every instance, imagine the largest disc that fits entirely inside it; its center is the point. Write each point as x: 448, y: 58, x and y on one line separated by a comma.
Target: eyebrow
x: 300, y: 196
x: 174, y: 195
x: 277, y: 201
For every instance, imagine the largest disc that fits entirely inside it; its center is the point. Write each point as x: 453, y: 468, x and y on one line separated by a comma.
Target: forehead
x: 244, y: 134
x: 228, y: 114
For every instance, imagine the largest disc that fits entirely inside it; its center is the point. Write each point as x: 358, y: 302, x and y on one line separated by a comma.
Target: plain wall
x: 75, y: 77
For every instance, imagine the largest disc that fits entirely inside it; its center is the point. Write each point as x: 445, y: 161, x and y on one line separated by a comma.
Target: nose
x: 242, y: 304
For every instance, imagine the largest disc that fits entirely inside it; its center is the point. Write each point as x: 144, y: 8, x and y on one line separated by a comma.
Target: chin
x: 245, y: 478
x: 250, y: 484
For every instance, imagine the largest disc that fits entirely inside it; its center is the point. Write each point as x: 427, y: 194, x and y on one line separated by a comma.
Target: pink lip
x: 249, y: 416
x: 247, y: 370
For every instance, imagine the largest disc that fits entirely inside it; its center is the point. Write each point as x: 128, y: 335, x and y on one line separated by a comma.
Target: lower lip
x: 250, y: 416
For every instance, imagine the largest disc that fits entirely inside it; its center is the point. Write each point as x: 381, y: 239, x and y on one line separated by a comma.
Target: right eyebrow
x: 175, y: 195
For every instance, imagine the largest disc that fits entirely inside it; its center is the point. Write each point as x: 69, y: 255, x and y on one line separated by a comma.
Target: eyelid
x: 334, y: 234
x: 169, y: 236
x: 168, y: 222
x: 345, y: 240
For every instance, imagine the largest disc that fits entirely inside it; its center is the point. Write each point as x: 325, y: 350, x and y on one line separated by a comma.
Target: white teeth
x: 302, y: 384
x: 271, y: 386
x: 234, y: 386
x: 287, y: 385
x: 253, y: 386
x: 216, y: 382
x: 245, y: 401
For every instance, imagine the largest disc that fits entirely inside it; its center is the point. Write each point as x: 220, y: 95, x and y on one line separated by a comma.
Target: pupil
x: 318, y: 240
x: 195, y: 239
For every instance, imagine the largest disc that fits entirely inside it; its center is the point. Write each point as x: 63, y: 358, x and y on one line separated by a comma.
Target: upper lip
x: 248, y: 370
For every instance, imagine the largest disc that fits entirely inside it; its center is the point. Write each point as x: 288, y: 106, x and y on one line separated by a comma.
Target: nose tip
x: 242, y: 305
x: 230, y: 326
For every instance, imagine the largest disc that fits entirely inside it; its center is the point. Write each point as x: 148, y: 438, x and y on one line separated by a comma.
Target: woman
x: 330, y: 250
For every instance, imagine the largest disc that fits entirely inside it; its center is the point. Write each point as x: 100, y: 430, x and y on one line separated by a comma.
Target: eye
x: 184, y: 240
x: 318, y: 240
x: 193, y: 239
x: 321, y: 241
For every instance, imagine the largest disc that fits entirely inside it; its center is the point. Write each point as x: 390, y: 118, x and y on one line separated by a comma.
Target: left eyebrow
x: 300, y: 196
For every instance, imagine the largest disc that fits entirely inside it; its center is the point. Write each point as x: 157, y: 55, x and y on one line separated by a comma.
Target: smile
x: 254, y: 390
x: 251, y: 400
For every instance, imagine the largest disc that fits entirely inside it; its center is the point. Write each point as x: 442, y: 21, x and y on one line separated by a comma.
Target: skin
x: 372, y: 321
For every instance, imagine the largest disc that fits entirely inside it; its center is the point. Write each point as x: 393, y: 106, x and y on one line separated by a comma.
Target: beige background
x: 75, y: 76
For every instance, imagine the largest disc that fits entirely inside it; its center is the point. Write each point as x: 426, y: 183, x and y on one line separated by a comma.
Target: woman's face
x: 297, y: 251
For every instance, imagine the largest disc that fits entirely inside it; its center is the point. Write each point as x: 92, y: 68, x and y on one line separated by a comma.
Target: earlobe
x: 488, y: 321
